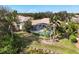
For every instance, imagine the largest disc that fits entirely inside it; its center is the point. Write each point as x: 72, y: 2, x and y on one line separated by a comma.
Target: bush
x: 11, y: 45
x: 73, y: 38
x: 37, y: 34
x: 28, y: 25
x: 6, y: 45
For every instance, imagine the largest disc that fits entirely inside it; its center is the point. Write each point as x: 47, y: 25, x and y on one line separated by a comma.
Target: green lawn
x: 64, y: 46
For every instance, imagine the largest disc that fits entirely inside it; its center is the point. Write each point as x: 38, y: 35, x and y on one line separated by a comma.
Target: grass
x: 64, y: 46
x: 65, y: 43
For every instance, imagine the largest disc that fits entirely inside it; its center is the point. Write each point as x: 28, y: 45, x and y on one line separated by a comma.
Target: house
x: 39, y: 24
x: 21, y: 20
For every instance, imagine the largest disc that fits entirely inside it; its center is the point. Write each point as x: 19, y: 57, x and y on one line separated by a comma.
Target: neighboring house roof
x: 39, y: 21
x: 39, y: 24
x: 23, y: 18
x: 75, y: 19
x: 76, y: 15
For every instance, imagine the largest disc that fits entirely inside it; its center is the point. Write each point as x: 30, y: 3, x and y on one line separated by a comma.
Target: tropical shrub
x: 28, y: 25
x: 6, y: 45
x: 9, y: 43
x: 72, y: 38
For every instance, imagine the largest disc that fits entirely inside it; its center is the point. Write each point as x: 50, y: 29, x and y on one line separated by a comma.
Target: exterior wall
x: 15, y: 27
x: 21, y: 20
x: 20, y: 26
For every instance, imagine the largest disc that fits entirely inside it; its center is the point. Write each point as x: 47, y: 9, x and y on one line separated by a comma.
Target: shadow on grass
x: 25, y: 40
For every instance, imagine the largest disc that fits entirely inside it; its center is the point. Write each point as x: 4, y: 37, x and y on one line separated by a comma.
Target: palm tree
x: 54, y: 23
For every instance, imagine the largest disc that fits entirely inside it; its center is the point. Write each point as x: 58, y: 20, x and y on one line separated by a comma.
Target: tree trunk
x: 11, y: 31
x: 50, y: 36
x: 54, y: 29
